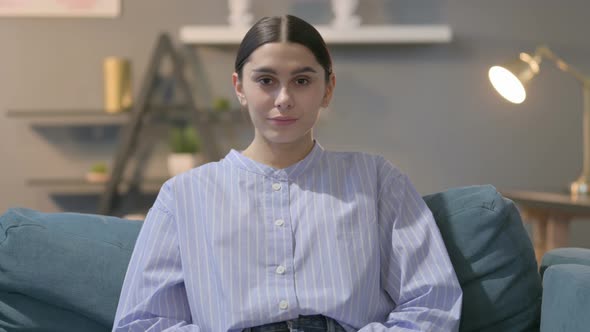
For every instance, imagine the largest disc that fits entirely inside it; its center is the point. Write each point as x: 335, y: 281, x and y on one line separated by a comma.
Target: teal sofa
x: 64, y: 271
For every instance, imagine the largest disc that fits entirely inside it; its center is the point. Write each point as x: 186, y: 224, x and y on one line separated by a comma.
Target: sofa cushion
x: 76, y: 262
x: 566, y: 298
x: 20, y: 313
x: 558, y: 256
x: 492, y: 256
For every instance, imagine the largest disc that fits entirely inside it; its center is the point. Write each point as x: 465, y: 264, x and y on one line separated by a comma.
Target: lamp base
x: 580, y: 187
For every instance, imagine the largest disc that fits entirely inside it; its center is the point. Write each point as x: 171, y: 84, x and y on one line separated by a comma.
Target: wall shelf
x: 56, y: 117
x: 69, y: 117
x: 82, y: 186
x: 155, y: 105
x: 365, y: 34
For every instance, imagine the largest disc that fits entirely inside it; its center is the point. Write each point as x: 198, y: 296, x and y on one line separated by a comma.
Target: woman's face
x: 283, y: 86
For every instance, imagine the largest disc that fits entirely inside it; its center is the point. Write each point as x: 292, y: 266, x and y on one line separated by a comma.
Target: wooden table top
x: 560, y: 201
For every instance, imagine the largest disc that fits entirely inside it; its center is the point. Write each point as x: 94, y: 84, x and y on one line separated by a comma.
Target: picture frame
x: 60, y: 8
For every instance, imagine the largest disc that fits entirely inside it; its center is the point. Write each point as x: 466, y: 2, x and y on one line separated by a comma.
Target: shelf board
x: 365, y: 34
x: 100, y: 117
x: 70, y: 117
x: 82, y: 186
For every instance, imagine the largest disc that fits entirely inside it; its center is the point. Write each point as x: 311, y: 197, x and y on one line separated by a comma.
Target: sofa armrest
x: 566, y: 298
x: 579, y: 256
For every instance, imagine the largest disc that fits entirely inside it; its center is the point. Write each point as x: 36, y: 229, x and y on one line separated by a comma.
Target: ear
x: 329, y: 90
x: 239, y: 89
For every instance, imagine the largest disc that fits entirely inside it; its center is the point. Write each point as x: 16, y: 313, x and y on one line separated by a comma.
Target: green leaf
x: 184, y: 140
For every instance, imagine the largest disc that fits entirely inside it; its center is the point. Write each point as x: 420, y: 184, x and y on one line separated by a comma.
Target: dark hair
x: 286, y: 28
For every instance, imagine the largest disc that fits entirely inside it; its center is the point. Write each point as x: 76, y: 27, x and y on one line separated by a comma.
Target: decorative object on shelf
x: 221, y: 107
x: 60, y: 8
x: 221, y: 104
x: 99, y: 173
x: 239, y: 13
x: 185, y: 146
x: 117, y: 84
x: 344, y: 14
x: 135, y: 216
x: 511, y: 79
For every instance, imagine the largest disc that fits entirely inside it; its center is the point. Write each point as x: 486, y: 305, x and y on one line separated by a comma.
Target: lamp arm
x: 582, y: 184
x: 546, y: 52
x: 585, y: 177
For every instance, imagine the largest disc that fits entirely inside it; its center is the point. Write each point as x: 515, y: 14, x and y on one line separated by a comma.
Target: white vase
x: 239, y: 13
x: 344, y: 16
x: 182, y: 162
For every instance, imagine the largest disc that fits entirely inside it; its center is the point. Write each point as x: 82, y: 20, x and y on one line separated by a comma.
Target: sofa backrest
x: 62, y: 271
x: 493, y: 257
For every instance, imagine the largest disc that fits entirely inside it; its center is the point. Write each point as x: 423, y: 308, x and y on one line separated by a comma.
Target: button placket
x: 280, y: 192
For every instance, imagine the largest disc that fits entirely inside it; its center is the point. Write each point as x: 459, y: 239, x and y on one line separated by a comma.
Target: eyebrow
x: 269, y: 70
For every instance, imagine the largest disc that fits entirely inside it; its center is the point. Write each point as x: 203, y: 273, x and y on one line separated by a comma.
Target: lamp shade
x: 511, y: 79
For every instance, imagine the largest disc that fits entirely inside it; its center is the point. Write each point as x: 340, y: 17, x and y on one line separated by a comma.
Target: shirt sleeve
x: 416, y: 270
x: 153, y: 297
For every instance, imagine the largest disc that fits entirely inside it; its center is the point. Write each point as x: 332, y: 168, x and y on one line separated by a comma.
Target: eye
x: 265, y: 81
x: 302, y: 81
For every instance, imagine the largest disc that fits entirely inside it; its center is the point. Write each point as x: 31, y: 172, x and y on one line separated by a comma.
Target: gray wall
x: 429, y: 108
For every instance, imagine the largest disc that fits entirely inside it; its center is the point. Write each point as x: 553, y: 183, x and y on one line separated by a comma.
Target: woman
x: 285, y: 236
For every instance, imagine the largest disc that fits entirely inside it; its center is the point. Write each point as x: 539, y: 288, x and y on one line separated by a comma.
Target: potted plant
x: 221, y: 104
x: 220, y: 107
x: 185, y: 147
x: 98, y: 173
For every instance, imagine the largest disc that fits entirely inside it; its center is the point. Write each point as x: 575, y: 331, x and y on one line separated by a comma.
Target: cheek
x: 257, y: 97
x: 311, y: 98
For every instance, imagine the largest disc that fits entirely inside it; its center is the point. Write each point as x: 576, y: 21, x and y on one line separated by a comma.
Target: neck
x: 278, y: 155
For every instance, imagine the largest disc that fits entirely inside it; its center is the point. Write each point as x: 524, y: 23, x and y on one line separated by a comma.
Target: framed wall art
x: 60, y: 8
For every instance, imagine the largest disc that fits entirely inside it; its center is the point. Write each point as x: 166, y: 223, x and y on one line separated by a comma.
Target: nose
x: 283, y: 101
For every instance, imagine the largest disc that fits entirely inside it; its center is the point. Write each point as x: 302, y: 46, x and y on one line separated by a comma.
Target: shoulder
x: 204, y: 170
x: 370, y: 162
x: 350, y: 157
x: 181, y: 185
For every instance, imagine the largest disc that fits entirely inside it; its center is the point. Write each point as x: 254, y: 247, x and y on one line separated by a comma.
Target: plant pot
x: 96, y: 177
x: 182, y: 162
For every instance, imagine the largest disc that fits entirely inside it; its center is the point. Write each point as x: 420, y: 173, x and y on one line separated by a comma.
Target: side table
x: 549, y: 214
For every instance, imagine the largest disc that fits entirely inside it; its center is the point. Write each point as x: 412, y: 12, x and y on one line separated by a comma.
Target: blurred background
x: 429, y: 108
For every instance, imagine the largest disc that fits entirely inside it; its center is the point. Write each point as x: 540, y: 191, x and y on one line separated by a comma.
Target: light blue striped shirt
x: 235, y: 244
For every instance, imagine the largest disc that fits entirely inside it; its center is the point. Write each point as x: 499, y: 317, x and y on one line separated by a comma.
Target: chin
x: 282, y: 139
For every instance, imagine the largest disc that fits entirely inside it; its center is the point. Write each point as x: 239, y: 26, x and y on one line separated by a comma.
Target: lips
x: 282, y: 121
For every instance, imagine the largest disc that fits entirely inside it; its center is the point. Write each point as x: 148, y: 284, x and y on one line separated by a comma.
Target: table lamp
x: 511, y: 80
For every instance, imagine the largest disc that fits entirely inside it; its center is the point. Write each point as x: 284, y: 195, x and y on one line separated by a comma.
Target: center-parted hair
x: 286, y: 28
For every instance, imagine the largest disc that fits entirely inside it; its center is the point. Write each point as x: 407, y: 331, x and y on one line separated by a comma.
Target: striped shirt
x: 236, y: 244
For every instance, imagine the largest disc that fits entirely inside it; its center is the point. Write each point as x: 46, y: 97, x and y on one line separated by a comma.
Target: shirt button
x: 283, y: 305
x: 280, y: 269
x: 276, y: 186
x: 280, y: 222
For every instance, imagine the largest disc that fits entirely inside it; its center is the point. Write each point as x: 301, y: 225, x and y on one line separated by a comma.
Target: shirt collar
x: 237, y: 159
